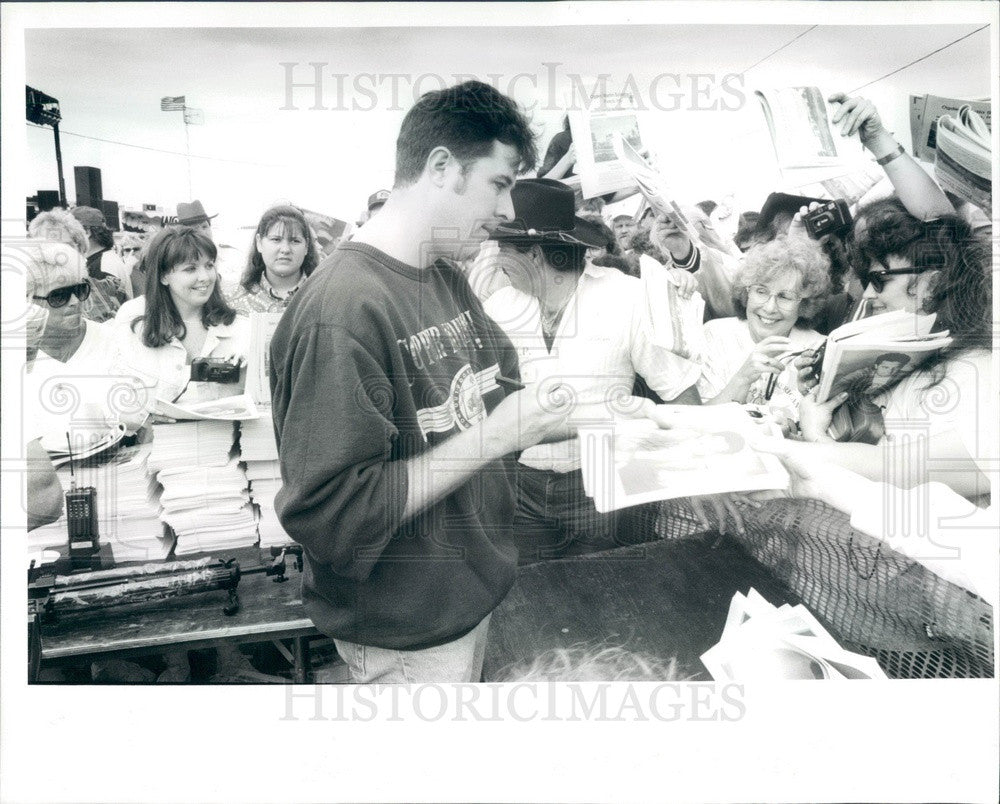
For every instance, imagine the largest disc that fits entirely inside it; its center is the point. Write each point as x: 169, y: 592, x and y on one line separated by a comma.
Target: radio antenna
x: 69, y: 452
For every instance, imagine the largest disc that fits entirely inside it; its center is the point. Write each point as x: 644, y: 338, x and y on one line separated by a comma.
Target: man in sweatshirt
x: 395, y: 417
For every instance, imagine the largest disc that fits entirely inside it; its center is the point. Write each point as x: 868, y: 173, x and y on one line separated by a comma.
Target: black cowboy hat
x: 544, y: 212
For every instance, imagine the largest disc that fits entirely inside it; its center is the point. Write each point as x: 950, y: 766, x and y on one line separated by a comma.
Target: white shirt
x: 165, y: 370
x: 963, y: 401
x: 602, y: 341
x: 729, y: 344
x: 88, y: 392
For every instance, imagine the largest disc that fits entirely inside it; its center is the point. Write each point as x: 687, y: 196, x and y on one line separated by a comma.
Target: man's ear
x: 438, y: 162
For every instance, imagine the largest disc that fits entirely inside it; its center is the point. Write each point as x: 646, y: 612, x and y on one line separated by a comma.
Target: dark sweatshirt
x: 373, y: 363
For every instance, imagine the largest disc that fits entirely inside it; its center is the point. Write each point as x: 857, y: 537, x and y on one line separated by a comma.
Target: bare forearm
x: 919, y: 193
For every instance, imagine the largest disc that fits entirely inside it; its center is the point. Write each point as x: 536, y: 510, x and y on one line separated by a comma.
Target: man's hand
x: 724, y: 506
x: 668, y: 237
x: 797, y: 228
x: 807, y: 374
x: 527, y: 417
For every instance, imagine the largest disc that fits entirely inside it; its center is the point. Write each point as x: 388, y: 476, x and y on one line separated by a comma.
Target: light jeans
x: 458, y: 662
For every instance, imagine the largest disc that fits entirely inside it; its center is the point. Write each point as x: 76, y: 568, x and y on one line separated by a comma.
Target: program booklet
x: 761, y: 642
x: 868, y: 356
x: 798, y: 121
x: 925, y: 114
x: 594, y: 129
x: 687, y: 452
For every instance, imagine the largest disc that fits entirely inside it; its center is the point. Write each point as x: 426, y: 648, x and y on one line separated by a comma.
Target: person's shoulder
x: 724, y: 326
x: 131, y: 309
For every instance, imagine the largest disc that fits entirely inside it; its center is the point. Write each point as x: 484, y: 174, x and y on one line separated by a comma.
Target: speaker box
x: 88, y: 186
x: 47, y: 199
x: 110, y: 210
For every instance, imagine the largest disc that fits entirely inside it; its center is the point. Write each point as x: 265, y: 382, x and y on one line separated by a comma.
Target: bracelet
x: 895, y: 154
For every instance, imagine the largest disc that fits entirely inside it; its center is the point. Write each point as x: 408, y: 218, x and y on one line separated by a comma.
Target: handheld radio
x: 81, y: 518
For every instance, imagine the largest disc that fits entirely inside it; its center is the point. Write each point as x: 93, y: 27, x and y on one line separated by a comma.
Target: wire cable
x: 917, y: 61
x: 158, y: 150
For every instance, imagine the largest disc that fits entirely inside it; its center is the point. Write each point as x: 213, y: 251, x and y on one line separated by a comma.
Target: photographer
x: 166, y: 335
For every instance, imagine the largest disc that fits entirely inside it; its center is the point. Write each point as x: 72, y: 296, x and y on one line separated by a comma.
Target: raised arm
x: 918, y: 191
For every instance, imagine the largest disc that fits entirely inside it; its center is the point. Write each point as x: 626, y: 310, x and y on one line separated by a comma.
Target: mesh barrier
x: 874, y: 600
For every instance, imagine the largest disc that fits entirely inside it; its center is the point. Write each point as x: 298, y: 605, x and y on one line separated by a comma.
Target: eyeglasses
x: 786, y: 300
x: 130, y: 249
x: 877, y: 278
x: 60, y: 296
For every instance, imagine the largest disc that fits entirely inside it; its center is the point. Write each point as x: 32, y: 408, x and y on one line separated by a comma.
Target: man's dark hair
x: 892, y: 357
x: 466, y: 119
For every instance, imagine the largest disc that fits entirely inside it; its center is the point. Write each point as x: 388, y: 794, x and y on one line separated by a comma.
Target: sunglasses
x: 877, y: 278
x: 60, y: 296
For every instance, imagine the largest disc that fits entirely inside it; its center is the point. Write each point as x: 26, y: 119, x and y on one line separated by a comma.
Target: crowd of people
x: 424, y: 388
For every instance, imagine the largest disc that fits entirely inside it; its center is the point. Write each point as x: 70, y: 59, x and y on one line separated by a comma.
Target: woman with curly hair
x: 182, y: 317
x: 780, y: 285
x: 282, y: 255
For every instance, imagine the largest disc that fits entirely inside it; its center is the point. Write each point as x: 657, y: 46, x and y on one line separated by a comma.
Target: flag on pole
x: 194, y: 117
x: 172, y: 104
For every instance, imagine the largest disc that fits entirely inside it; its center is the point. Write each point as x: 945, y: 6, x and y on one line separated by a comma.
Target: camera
x: 214, y: 369
x: 833, y: 217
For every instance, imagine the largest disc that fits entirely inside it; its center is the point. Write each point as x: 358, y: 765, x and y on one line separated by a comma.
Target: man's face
x: 885, y: 372
x: 624, y: 229
x: 205, y: 227
x: 65, y: 322
x: 478, y: 198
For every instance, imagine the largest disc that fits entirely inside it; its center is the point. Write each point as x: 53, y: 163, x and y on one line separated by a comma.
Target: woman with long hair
x: 282, y: 255
x: 943, y: 407
x: 182, y: 318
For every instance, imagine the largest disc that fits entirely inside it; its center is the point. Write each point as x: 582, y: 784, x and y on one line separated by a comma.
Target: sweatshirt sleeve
x: 342, y: 497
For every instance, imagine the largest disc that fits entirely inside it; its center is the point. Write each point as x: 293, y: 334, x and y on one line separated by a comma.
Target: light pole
x: 43, y: 110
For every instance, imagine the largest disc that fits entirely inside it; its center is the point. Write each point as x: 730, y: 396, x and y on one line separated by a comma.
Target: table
x: 666, y: 599
x: 268, y: 611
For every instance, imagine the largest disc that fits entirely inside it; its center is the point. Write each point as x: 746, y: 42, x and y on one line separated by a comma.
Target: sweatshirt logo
x: 464, y: 406
x: 435, y: 343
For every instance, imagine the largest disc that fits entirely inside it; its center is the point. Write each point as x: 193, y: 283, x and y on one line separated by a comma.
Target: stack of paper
x: 191, y: 444
x: 964, y: 157
x: 208, y: 507
x: 259, y: 451
x: 764, y: 643
x: 127, y: 508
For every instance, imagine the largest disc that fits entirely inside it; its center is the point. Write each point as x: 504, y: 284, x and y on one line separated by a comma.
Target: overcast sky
x: 109, y: 82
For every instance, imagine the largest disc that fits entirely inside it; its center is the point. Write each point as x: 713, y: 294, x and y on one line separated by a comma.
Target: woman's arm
x: 940, y: 458
x: 919, y: 193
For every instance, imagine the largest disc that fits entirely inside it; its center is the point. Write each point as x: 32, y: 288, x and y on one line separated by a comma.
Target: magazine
x: 761, y: 642
x: 871, y: 355
x: 652, y: 186
x: 229, y: 408
x: 925, y: 111
x: 799, y: 125
x: 594, y: 129
x: 686, y: 451
x: 262, y: 326
x: 963, y: 163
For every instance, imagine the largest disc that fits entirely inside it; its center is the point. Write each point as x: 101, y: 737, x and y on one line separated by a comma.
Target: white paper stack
x: 764, y: 643
x: 127, y: 505
x: 208, y: 507
x: 191, y: 444
x: 259, y: 451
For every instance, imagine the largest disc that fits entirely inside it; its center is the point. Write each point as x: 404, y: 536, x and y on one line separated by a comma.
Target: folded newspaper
x: 963, y: 163
x: 652, y: 185
x: 926, y: 112
x: 686, y: 451
x: 764, y: 643
x: 873, y: 354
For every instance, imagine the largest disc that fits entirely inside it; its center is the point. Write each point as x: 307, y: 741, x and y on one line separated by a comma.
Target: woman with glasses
x: 282, y: 255
x: 106, y: 291
x: 779, y: 286
x: 181, y: 318
x: 73, y: 381
x: 938, y: 267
